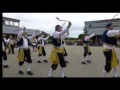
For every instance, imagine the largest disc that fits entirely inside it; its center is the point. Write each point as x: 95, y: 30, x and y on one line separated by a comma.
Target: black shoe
x: 39, y: 61
x: 45, y: 61
x: 6, y: 66
x: 21, y: 72
x: 50, y: 77
x: 66, y: 61
x: 88, y: 61
x: 29, y: 73
x: 116, y: 77
x: 83, y: 63
x: 64, y: 77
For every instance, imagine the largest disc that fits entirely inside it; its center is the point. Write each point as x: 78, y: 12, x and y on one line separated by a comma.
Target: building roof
x: 10, y: 30
x: 10, y: 19
x: 105, y: 20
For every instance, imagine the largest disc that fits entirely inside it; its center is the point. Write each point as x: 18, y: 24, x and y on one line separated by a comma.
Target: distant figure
x: 34, y: 44
x: 11, y: 45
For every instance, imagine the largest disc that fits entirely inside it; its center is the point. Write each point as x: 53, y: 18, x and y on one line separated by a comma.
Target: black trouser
x: 5, y: 48
x: 43, y: 51
x: 65, y: 53
x: 86, y: 52
x: 108, y: 56
x: 12, y: 48
x: 4, y: 55
x: 33, y: 47
x: 62, y: 61
x: 27, y: 55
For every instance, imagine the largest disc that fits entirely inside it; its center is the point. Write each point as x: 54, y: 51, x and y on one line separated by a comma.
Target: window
x: 103, y: 24
x: 16, y: 24
x: 11, y: 23
x: 94, y: 25
x: 6, y: 22
x: 89, y: 25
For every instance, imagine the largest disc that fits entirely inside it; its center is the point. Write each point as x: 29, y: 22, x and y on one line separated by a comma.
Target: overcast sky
x: 48, y: 21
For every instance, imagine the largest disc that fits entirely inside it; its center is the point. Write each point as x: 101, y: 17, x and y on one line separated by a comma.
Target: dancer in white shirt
x: 4, y: 55
x: 86, y: 45
x: 109, y: 43
x: 41, y: 48
x: 24, y: 50
x: 57, y: 56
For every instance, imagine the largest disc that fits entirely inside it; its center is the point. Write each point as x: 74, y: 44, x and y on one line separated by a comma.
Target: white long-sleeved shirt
x: 42, y: 39
x: 63, y: 38
x: 25, y: 41
x: 87, y: 38
x: 29, y: 37
x: 34, y: 42
x: 6, y: 41
x: 11, y: 41
x: 111, y: 33
x: 58, y: 35
x: 118, y: 42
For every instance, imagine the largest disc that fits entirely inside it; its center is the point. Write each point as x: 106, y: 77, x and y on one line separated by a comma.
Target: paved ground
x: 73, y: 69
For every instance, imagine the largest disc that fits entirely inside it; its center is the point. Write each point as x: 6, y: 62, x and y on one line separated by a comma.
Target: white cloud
x: 47, y: 21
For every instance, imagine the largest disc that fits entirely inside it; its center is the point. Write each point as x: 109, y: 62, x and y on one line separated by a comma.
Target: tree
x: 80, y: 36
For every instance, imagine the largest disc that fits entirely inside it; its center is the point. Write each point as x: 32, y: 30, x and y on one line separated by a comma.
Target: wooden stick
x: 62, y: 20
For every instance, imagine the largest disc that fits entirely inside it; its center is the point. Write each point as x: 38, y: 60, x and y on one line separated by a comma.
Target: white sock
x: 20, y: 68
x: 62, y: 72
x: 5, y: 62
x: 44, y: 57
x: 88, y: 57
x: 65, y: 58
x: 50, y: 72
x: 28, y: 66
x: 115, y: 71
x: 83, y: 59
x: 39, y: 58
x: 104, y: 73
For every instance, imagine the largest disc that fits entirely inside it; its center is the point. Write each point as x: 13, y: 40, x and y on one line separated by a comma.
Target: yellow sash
x: 12, y: 44
x: 40, y: 49
x: 87, y: 45
x: 54, y: 56
x: 21, y: 55
x: 63, y: 50
x: 9, y: 46
x: 89, y: 49
x: 115, y: 61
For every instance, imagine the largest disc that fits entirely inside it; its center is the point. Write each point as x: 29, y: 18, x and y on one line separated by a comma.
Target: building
x: 99, y: 26
x: 11, y: 24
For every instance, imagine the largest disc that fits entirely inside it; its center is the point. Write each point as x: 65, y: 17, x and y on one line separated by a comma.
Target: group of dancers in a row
x: 58, y: 55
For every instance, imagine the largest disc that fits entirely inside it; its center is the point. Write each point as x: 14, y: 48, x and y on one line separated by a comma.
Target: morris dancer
x: 109, y: 43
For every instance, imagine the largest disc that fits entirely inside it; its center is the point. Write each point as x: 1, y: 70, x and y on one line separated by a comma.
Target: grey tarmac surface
x: 74, y: 69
